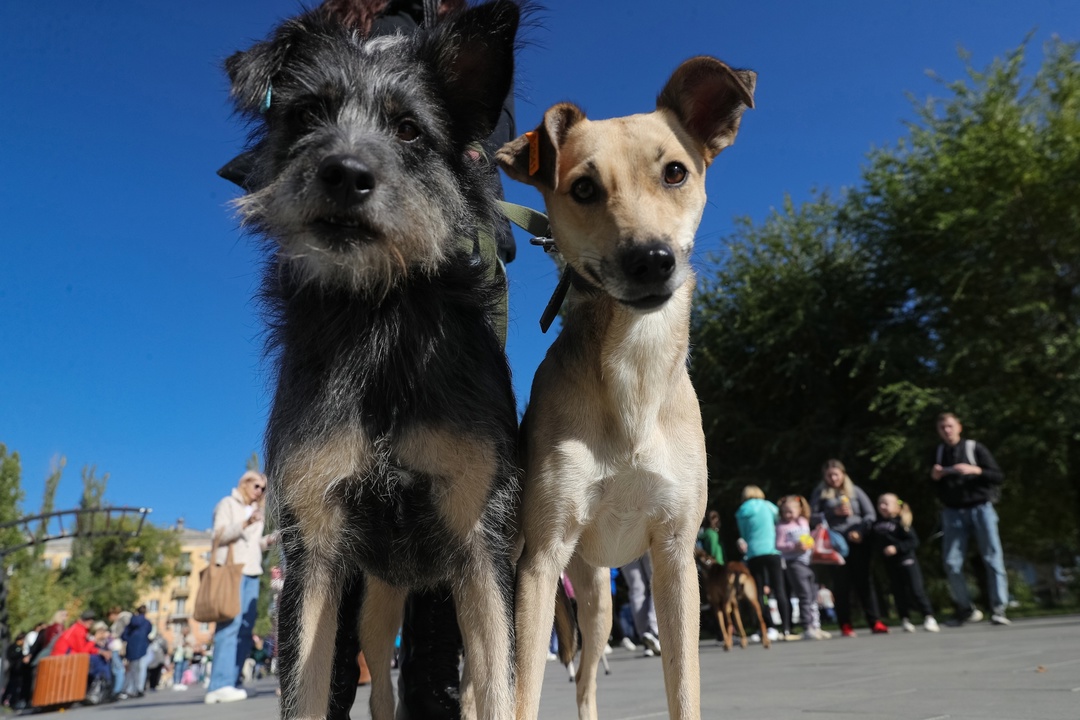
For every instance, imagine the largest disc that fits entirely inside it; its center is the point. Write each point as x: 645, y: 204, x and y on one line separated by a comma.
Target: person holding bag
x: 238, y: 538
x: 849, y: 512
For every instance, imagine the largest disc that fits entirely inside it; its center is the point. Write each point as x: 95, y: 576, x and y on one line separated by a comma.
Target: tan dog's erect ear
x: 709, y: 98
x: 533, y: 158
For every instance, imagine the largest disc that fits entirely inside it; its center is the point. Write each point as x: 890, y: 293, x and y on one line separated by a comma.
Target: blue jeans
x: 232, y: 641
x: 957, y: 526
x: 136, y: 674
x: 178, y: 672
x: 117, y: 667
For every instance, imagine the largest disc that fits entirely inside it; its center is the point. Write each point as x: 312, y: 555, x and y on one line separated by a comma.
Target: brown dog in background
x: 725, y: 586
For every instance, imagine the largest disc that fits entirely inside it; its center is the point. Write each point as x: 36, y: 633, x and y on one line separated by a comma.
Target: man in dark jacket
x: 137, y: 637
x: 968, y: 483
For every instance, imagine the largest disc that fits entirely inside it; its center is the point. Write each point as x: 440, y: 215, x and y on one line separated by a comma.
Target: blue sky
x: 128, y: 337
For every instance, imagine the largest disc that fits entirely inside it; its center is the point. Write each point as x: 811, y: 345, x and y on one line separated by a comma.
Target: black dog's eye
x: 305, y: 113
x: 675, y: 174
x: 583, y: 190
x: 407, y: 131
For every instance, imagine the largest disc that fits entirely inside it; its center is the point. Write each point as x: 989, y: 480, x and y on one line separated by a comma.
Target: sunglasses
x: 258, y: 486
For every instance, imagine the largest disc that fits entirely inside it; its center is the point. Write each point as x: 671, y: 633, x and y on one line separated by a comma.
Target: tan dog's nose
x: 649, y: 264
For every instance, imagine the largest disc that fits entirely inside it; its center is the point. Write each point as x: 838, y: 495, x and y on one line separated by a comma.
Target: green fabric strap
x: 489, y: 252
x: 531, y: 221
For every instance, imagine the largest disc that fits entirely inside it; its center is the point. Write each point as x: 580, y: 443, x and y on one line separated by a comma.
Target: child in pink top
x: 795, y: 544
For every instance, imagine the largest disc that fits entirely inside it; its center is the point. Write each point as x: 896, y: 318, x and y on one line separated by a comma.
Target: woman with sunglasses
x: 238, y: 523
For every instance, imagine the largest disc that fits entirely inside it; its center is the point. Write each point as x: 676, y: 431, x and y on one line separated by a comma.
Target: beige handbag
x: 218, y: 599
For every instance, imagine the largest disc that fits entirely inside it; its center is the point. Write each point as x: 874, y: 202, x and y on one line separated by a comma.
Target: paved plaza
x: 1030, y: 671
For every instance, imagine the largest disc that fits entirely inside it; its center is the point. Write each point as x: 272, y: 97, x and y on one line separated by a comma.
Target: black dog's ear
x: 533, y: 158
x: 251, y: 71
x: 473, y: 57
x: 709, y: 98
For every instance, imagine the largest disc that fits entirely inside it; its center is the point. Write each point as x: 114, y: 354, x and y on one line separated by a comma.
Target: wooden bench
x: 61, y: 680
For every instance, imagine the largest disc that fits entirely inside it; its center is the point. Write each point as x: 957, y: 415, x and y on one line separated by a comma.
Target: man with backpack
x: 968, y: 484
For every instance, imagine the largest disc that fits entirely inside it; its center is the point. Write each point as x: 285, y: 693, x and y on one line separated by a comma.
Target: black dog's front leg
x: 307, y: 628
x: 346, y: 670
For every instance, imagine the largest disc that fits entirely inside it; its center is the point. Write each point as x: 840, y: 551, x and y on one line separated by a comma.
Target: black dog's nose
x: 346, y: 178
x: 651, y: 262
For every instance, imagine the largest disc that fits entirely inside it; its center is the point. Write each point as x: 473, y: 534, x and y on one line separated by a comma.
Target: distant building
x: 169, y: 604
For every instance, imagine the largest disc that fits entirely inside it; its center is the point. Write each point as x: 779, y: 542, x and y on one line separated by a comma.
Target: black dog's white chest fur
x: 416, y: 358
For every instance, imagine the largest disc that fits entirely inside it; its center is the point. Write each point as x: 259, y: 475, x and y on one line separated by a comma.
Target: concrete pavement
x: 1029, y: 671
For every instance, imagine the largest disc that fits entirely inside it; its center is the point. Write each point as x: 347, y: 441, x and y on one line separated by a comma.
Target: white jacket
x: 248, y: 542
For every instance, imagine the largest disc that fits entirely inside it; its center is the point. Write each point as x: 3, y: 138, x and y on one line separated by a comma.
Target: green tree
x: 788, y: 353
x: 975, y: 213
x: 116, y: 569
x: 947, y: 279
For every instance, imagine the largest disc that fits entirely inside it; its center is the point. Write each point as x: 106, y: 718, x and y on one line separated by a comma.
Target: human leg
x: 223, y: 668
x: 774, y: 570
x: 249, y: 600
x: 800, y: 578
x: 899, y: 586
x: 859, y: 562
x: 841, y: 577
x: 916, y: 589
x: 637, y: 574
x: 761, y: 578
x: 984, y: 520
x: 428, y: 681
x: 178, y: 672
x: 117, y: 667
x: 954, y: 527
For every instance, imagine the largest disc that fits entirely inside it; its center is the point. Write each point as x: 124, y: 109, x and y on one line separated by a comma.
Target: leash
x: 431, y: 12
x: 536, y: 224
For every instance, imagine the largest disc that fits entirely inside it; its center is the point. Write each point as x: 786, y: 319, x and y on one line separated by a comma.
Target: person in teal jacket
x: 757, y: 519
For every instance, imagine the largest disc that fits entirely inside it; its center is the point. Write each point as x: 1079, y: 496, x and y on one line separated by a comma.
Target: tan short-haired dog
x: 614, y: 450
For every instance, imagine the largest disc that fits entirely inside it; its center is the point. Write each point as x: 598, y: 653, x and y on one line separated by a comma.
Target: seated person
x: 79, y: 639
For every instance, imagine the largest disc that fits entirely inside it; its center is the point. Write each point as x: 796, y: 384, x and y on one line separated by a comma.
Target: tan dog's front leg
x: 676, y: 596
x: 485, y: 620
x: 592, y: 587
x: 534, y: 614
x: 380, y: 619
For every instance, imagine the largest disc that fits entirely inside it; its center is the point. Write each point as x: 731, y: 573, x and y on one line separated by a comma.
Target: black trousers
x: 905, y: 579
x: 854, y: 577
x: 769, y: 570
x: 428, y: 680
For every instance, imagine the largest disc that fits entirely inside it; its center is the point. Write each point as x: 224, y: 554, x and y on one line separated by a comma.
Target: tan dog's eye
x: 675, y: 174
x: 583, y: 190
x: 407, y: 131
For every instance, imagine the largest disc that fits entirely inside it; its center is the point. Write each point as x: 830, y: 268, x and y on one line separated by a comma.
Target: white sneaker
x: 607, y: 649
x: 975, y: 616
x: 818, y: 634
x: 649, y: 653
x: 179, y: 687
x: 552, y: 657
x: 651, y: 642
x: 628, y: 644
x: 224, y: 695
x: 1000, y: 619
x: 773, y: 634
x: 907, y: 625
x: 930, y: 624
x: 755, y: 638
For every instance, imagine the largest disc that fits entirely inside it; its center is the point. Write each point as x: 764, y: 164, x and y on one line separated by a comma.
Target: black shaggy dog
x: 391, y: 443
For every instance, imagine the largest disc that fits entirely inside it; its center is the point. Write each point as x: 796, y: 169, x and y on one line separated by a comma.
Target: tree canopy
x: 103, y: 570
x: 947, y: 279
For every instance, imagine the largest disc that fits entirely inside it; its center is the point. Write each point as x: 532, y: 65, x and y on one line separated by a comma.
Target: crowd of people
x: 128, y: 657
x: 779, y: 544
